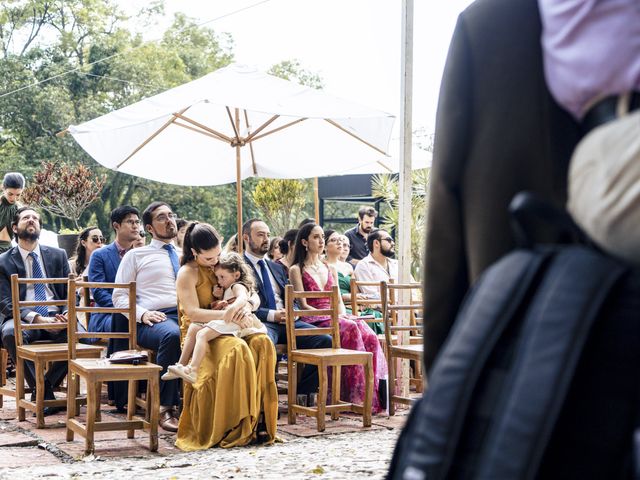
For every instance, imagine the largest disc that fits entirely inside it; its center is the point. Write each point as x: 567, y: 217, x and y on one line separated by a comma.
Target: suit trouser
x: 603, y: 196
x: 278, y: 334
x: 164, y: 339
x: 56, y: 372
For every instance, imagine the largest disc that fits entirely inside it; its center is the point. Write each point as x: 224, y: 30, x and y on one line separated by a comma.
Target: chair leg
x: 335, y: 390
x: 39, y: 394
x: 153, y: 409
x: 292, y: 390
x: 418, y: 375
x: 368, y: 393
x: 89, y: 445
x: 131, y: 405
x: 98, y: 401
x: 20, y: 387
x: 391, y: 384
x: 72, y: 403
x: 322, y: 396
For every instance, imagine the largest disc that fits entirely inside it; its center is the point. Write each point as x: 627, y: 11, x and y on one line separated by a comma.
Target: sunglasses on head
x: 98, y: 238
x: 142, y: 233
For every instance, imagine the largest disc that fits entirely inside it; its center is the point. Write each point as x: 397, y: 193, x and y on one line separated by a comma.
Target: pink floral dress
x: 355, y: 334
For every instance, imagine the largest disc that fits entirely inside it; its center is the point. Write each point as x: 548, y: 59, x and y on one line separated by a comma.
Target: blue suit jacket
x: 103, y: 267
x: 56, y: 265
x: 280, y: 276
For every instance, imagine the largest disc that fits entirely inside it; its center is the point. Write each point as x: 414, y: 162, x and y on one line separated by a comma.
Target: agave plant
x: 386, y: 186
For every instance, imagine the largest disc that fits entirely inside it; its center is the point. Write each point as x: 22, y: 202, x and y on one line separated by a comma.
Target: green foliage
x: 387, y: 187
x: 291, y: 70
x: 280, y: 202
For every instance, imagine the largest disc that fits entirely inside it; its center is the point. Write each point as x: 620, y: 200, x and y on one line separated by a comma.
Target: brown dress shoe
x: 168, y: 421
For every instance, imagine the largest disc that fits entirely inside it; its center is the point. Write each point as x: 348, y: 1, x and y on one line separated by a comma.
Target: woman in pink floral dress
x: 308, y: 272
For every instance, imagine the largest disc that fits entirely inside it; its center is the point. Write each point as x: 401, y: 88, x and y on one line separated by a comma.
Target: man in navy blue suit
x: 103, y: 267
x: 270, y: 282
x: 29, y: 259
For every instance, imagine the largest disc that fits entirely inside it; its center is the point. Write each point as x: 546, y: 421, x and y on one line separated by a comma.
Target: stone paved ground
x: 344, y: 450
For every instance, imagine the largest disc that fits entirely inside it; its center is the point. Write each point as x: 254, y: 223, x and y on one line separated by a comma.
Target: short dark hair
x: 246, y: 227
x: 16, y: 217
x: 13, y: 180
x: 118, y: 214
x: 305, y: 221
x: 181, y: 222
x: 147, y: 215
x: 368, y: 211
x: 288, y: 238
x: 373, y: 235
x: 199, y: 237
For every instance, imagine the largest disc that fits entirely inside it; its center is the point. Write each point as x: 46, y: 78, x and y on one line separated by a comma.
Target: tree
x: 280, y: 201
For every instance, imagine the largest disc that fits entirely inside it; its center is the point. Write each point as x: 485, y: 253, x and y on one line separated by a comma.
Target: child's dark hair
x: 234, y: 262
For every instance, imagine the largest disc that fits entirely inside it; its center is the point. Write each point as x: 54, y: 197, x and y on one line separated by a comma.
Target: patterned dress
x: 355, y: 334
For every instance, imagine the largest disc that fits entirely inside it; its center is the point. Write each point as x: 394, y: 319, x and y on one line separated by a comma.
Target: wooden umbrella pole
x: 239, y: 187
x: 316, y: 199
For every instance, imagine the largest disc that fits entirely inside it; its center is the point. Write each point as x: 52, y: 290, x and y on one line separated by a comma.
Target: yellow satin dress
x: 236, y: 381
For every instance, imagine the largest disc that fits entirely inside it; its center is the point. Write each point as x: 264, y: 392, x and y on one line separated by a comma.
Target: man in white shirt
x: 379, y: 264
x: 29, y: 259
x: 154, y: 269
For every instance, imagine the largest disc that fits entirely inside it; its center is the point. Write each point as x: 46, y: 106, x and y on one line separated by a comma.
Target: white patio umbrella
x: 234, y: 123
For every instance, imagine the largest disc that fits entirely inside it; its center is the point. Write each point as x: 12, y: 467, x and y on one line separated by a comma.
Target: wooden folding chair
x: 97, y: 371
x: 323, y: 358
x: 40, y: 353
x: 390, y: 309
x: 4, y: 361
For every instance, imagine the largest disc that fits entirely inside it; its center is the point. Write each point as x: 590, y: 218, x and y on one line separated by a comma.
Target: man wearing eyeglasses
x: 379, y: 265
x: 104, y: 263
x: 154, y: 268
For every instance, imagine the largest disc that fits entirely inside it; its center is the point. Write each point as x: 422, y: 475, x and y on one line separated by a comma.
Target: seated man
x: 270, y: 283
x: 29, y: 259
x: 379, y: 265
x: 154, y: 268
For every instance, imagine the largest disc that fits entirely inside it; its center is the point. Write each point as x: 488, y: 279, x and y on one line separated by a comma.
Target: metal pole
x: 404, y: 204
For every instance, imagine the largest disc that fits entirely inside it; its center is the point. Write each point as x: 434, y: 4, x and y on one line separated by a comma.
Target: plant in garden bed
x: 64, y: 189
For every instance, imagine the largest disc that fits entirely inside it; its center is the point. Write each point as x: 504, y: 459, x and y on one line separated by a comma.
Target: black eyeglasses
x: 98, y: 238
x: 388, y: 239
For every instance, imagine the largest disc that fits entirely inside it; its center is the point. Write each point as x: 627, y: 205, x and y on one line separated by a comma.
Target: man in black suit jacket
x: 271, y: 312
x: 27, y: 260
x: 498, y: 132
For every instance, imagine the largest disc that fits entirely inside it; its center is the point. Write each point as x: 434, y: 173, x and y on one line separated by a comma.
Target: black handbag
x: 130, y: 357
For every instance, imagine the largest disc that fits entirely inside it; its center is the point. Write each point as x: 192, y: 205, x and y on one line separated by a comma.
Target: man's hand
x: 58, y: 318
x: 153, y: 316
x: 280, y: 316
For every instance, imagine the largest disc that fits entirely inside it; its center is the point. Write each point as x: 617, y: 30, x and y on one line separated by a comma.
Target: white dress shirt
x: 368, y: 270
x: 31, y: 294
x: 277, y: 293
x: 150, y: 267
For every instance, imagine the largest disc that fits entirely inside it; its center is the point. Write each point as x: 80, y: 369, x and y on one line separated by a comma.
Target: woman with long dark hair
x: 310, y: 273
x: 89, y: 240
x: 234, y: 399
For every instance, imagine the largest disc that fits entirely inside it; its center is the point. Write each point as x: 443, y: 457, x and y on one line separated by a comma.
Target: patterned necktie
x: 38, y: 288
x: 268, y: 288
x: 173, y: 256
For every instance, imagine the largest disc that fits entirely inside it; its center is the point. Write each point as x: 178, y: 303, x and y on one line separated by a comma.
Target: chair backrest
x: 74, y: 335
x: 333, y: 311
x: 390, y: 297
x: 17, y: 304
x: 358, y: 304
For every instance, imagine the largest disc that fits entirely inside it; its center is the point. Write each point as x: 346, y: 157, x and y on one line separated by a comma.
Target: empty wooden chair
x: 97, y: 371
x: 324, y: 358
x: 41, y: 353
x: 390, y: 308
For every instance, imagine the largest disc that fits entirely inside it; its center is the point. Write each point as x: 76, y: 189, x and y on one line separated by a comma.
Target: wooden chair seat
x: 52, y: 352
x: 97, y: 371
x: 324, y: 358
x: 411, y: 352
x: 413, y: 339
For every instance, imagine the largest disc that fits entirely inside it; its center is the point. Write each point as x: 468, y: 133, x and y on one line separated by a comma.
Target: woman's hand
x: 236, y: 313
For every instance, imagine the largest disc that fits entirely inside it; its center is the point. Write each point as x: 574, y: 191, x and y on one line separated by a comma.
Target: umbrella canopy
x: 234, y: 123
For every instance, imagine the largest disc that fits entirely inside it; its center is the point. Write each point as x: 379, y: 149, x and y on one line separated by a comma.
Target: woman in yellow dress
x: 234, y: 400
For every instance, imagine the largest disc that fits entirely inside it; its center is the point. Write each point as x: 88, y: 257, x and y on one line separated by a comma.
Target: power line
x: 35, y: 84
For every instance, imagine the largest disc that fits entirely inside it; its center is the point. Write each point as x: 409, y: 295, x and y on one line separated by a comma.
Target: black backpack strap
x: 556, y: 327
x: 485, y: 314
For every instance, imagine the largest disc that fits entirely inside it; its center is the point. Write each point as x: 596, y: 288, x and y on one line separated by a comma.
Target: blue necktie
x: 173, y: 256
x: 268, y: 288
x: 38, y: 288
